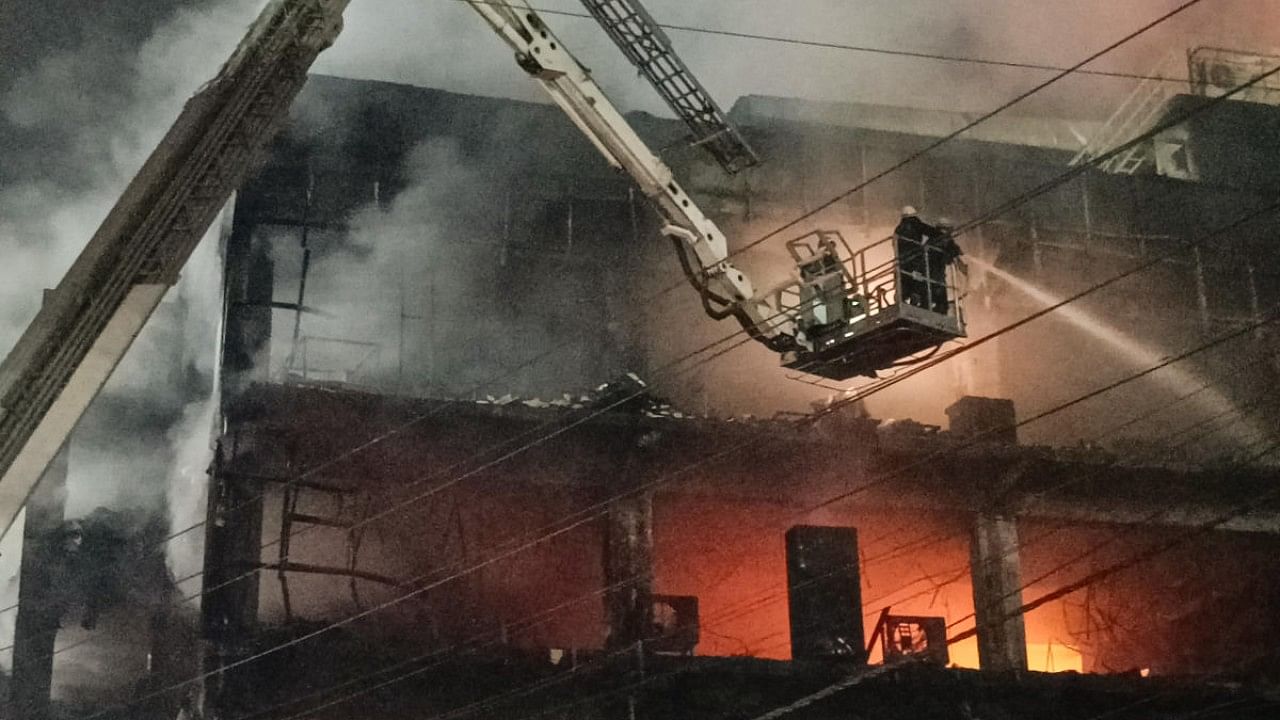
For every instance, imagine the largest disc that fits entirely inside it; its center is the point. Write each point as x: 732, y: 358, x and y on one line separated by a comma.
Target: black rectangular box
x: 824, y: 593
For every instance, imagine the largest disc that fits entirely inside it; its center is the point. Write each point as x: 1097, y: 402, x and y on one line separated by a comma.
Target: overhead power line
x: 1093, y: 577
x: 986, y: 117
x: 949, y: 355
x: 1143, y: 556
x: 594, y: 511
x: 1063, y: 71
x: 871, y: 50
x: 494, y: 701
x: 1143, y: 415
x: 1075, y: 68
x: 731, y: 336
x: 566, y: 524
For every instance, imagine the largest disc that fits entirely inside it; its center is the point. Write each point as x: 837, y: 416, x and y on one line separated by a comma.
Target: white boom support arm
x: 544, y: 57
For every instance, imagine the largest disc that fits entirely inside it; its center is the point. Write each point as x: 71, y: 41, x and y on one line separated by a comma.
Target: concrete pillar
x: 40, y: 605
x: 997, y: 593
x: 229, y: 608
x: 628, y: 570
x: 249, y: 290
x: 233, y: 529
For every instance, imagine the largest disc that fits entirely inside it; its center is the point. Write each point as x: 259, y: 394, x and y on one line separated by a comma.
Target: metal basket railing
x: 333, y: 360
x: 873, y: 280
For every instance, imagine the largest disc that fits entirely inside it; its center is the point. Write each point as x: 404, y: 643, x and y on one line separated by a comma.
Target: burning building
x: 424, y: 291
x: 464, y: 430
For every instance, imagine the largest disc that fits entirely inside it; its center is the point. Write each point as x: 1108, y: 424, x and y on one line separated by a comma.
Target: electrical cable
x: 1141, y: 374
x: 978, y: 121
x: 1255, y: 81
x: 1027, y: 544
x: 1094, y: 577
x: 871, y: 50
x: 489, y: 638
x: 1141, y: 267
x: 1062, y: 74
x: 710, y: 458
x: 1152, y: 411
x: 1151, y: 519
x: 1147, y: 554
x: 556, y: 423
x: 941, y: 537
x: 521, y: 692
x: 580, y: 523
x: 981, y: 119
x: 966, y: 567
x: 1216, y: 342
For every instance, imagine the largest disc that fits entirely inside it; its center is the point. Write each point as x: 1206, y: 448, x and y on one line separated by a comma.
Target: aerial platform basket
x: 861, y: 312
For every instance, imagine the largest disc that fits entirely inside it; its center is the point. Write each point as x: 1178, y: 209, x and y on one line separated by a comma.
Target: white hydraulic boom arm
x: 724, y: 288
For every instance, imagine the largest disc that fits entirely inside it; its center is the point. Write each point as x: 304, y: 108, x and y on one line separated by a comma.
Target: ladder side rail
x: 643, y: 42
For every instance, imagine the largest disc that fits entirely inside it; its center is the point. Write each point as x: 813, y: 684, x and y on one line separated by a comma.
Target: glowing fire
x: 737, y: 568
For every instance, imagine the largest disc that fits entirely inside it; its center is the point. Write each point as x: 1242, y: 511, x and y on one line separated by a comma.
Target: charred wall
x: 419, y: 243
x: 461, y: 246
x: 510, y: 554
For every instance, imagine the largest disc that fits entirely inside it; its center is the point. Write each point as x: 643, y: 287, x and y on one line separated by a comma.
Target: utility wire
x: 980, y: 120
x: 1150, y: 519
x: 936, y: 538
x: 478, y: 641
x: 476, y: 706
x: 905, y: 374
x: 594, y: 511
x: 1094, y: 577
x: 753, y: 604
x: 867, y: 49
x: 948, y: 536
x: 1125, y: 274
x: 550, y: 534
x: 972, y: 345
x: 1159, y: 549
x: 985, y: 117
x: 359, y: 448
x: 557, y: 425
x: 1027, y: 544
x: 1214, y: 343
x: 494, y: 640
